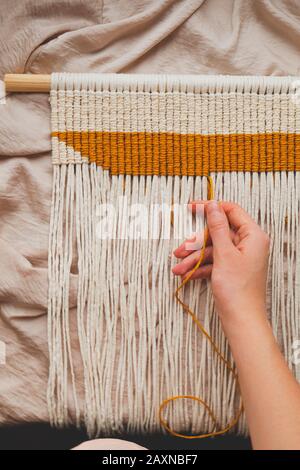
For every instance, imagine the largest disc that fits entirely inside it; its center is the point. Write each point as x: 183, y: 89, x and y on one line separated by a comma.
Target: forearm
x: 271, y: 395
x: 237, y: 265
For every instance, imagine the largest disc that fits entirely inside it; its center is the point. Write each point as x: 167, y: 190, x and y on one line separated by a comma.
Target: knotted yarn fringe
x: 123, y: 144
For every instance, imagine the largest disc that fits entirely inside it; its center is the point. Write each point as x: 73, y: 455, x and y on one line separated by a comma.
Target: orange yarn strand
x: 162, y: 406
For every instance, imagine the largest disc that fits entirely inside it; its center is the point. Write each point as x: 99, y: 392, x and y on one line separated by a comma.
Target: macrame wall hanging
x: 143, y: 141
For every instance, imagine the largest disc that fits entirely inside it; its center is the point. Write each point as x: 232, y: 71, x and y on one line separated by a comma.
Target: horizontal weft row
x: 179, y: 154
x: 141, y: 130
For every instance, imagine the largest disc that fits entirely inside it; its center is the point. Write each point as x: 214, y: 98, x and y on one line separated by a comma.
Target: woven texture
x: 125, y: 144
x: 178, y: 127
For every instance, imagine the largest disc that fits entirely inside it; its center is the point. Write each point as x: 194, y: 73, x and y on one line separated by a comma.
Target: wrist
x: 251, y: 340
x: 240, y: 321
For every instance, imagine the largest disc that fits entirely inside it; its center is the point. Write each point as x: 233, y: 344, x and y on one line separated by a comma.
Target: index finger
x: 236, y: 215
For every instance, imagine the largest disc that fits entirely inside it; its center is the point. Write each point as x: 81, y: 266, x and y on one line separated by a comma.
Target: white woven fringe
x: 137, y: 345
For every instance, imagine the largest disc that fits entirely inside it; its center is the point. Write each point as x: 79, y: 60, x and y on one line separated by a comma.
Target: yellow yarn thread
x: 234, y: 421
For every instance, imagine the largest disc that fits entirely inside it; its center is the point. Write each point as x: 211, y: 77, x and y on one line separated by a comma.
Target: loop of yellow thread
x: 234, y: 421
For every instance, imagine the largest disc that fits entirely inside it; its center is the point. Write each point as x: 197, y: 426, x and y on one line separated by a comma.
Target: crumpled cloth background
x: 148, y: 36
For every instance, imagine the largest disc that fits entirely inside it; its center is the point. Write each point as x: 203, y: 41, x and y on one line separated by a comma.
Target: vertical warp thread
x: 123, y: 365
x: 215, y: 348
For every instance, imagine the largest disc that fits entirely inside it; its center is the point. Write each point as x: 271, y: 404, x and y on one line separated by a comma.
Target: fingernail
x: 175, y: 269
x: 196, y: 205
x: 213, y: 205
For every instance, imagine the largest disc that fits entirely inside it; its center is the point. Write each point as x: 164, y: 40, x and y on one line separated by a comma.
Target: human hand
x: 236, y: 260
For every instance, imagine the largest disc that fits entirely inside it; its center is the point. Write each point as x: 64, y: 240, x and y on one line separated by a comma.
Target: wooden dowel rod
x: 24, y: 83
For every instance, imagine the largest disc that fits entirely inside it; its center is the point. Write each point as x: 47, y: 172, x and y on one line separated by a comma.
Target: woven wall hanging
x: 124, y: 143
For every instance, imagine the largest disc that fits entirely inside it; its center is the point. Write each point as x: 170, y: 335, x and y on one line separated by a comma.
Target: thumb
x: 218, y: 227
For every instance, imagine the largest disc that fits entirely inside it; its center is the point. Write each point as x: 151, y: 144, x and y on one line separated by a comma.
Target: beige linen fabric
x: 159, y: 36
